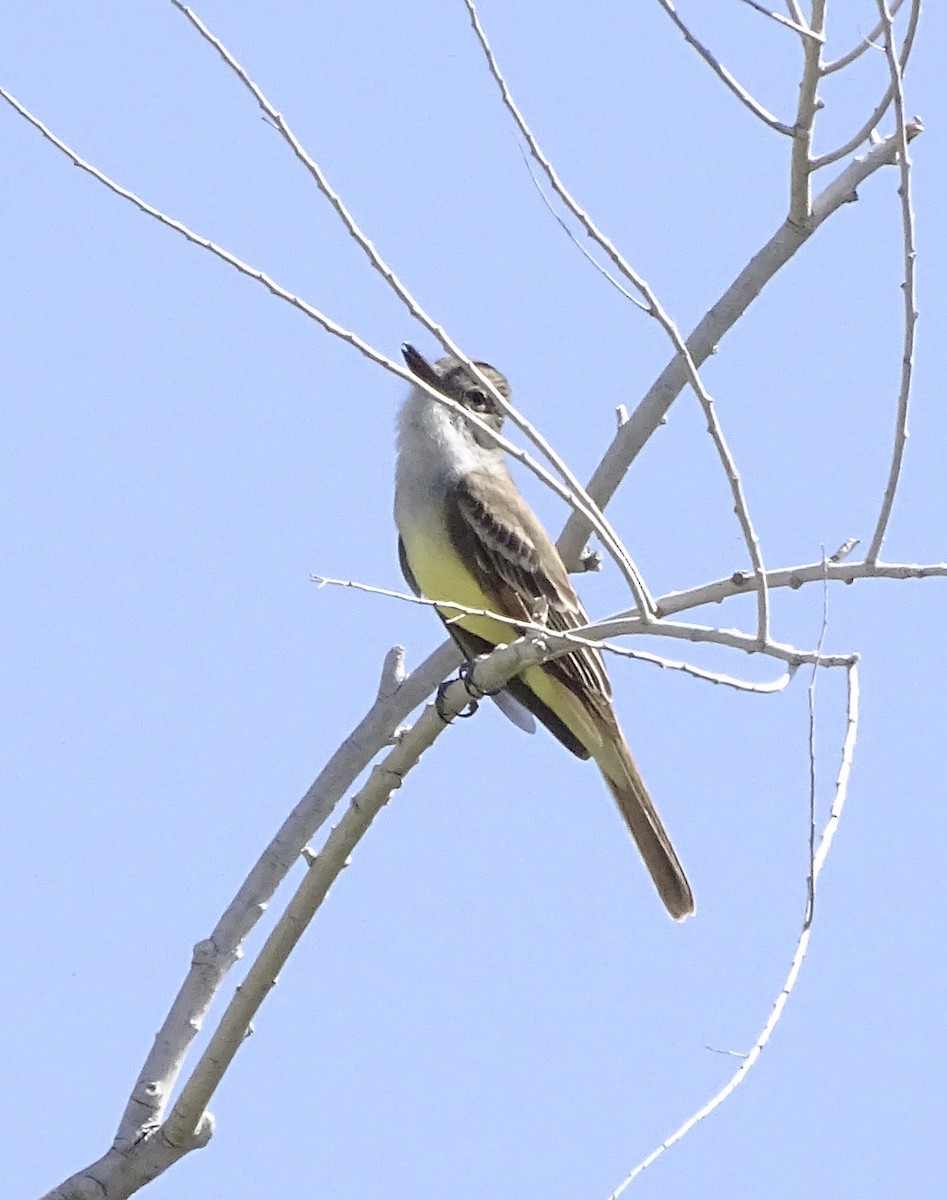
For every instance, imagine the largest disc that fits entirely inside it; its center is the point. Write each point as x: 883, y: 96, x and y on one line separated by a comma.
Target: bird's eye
x: 479, y: 400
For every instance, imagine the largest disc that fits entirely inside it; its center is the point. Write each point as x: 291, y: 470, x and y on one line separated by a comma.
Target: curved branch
x: 723, y: 74
x: 609, y: 537
x: 802, y: 944
x: 800, y: 191
x: 908, y: 291
x: 797, y: 25
x: 856, y: 51
x: 571, y: 552
x: 883, y: 104
x: 576, y: 497
x: 489, y: 674
x: 719, y: 319
x: 739, y: 584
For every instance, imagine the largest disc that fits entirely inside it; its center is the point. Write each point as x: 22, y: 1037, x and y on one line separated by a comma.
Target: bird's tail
x: 636, y: 806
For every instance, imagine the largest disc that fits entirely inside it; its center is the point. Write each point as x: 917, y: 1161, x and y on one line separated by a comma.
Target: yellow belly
x: 442, y: 575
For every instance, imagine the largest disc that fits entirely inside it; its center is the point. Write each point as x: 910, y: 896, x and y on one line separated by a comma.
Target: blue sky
x: 491, y: 1002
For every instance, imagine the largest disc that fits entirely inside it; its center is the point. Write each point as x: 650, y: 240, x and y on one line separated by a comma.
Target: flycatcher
x: 468, y: 536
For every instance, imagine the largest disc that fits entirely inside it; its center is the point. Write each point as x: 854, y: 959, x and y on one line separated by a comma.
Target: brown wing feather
x: 472, y: 647
x: 501, y: 537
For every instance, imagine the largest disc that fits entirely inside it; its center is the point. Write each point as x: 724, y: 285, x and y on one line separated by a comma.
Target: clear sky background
x: 492, y: 1002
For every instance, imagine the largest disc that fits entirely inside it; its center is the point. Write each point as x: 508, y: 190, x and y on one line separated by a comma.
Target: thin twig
x: 139, y: 1153
x: 575, y: 241
x: 605, y: 531
x: 802, y: 945
x: 658, y: 312
x: 489, y: 674
x: 795, y: 11
x: 796, y: 26
x: 196, y: 239
x: 810, y: 878
x: 652, y: 410
x: 590, y: 512
x: 618, y: 626
x: 800, y: 192
x: 908, y: 289
x: 723, y: 74
x: 561, y: 642
x: 856, y: 51
x: 740, y: 583
x: 869, y: 126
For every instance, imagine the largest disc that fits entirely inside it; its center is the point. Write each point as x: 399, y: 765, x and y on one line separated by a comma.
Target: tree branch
x: 881, y: 107
x: 796, y: 26
x: 719, y: 319
x: 802, y: 945
x: 806, y: 108
x: 858, y: 50
x: 724, y: 75
x: 740, y: 583
x: 609, y: 537
x: 908, y: 289
x: 572, y: 551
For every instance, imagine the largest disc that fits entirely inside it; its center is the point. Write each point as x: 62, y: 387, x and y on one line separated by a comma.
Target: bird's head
x: 451, y: 378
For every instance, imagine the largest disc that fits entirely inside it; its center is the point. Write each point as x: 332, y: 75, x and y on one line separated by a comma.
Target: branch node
x: 392, y: 673
x: 844, y: 550
x: 204, y: 1131
x: 589, y: 560
x: 204, y: 952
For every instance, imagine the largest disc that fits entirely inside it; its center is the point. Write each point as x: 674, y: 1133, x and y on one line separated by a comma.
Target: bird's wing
x: 513, y: 709
x: 502, y: 540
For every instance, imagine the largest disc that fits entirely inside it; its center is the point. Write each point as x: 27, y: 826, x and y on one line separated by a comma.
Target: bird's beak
x: 418, y: 365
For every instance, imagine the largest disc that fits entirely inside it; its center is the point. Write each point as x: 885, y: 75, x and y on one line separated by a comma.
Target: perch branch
x: 605, y: 531
x: 571, y: 552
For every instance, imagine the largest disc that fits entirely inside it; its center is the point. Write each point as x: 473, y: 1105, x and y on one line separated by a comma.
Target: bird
x: 467, y: 535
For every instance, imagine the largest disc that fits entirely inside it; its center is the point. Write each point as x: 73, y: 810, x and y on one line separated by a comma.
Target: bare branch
x: 810, y: 882
x: 908, y: 290
x: 721, y: 317
x: 609, y: 537
x: 802, y: 945
x: 575, y: 241
x: 740, y: 583
x: 866, y: 42
x: 795, y: 11
x: 723, y: 74
x: 622, y: 626
x: 117, y: 1174
x: 489, y: 674
x: 869, y: 127
x: 587, y: 636
x: 571, y: 551
x: 570, y: 495
x: 797, y: 26
x: 138, y: 1154
x: 392, y: 673
x: 779, y: 684
x: 254, y: 273
x: 806, y: 108
x: 189, y: 1125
